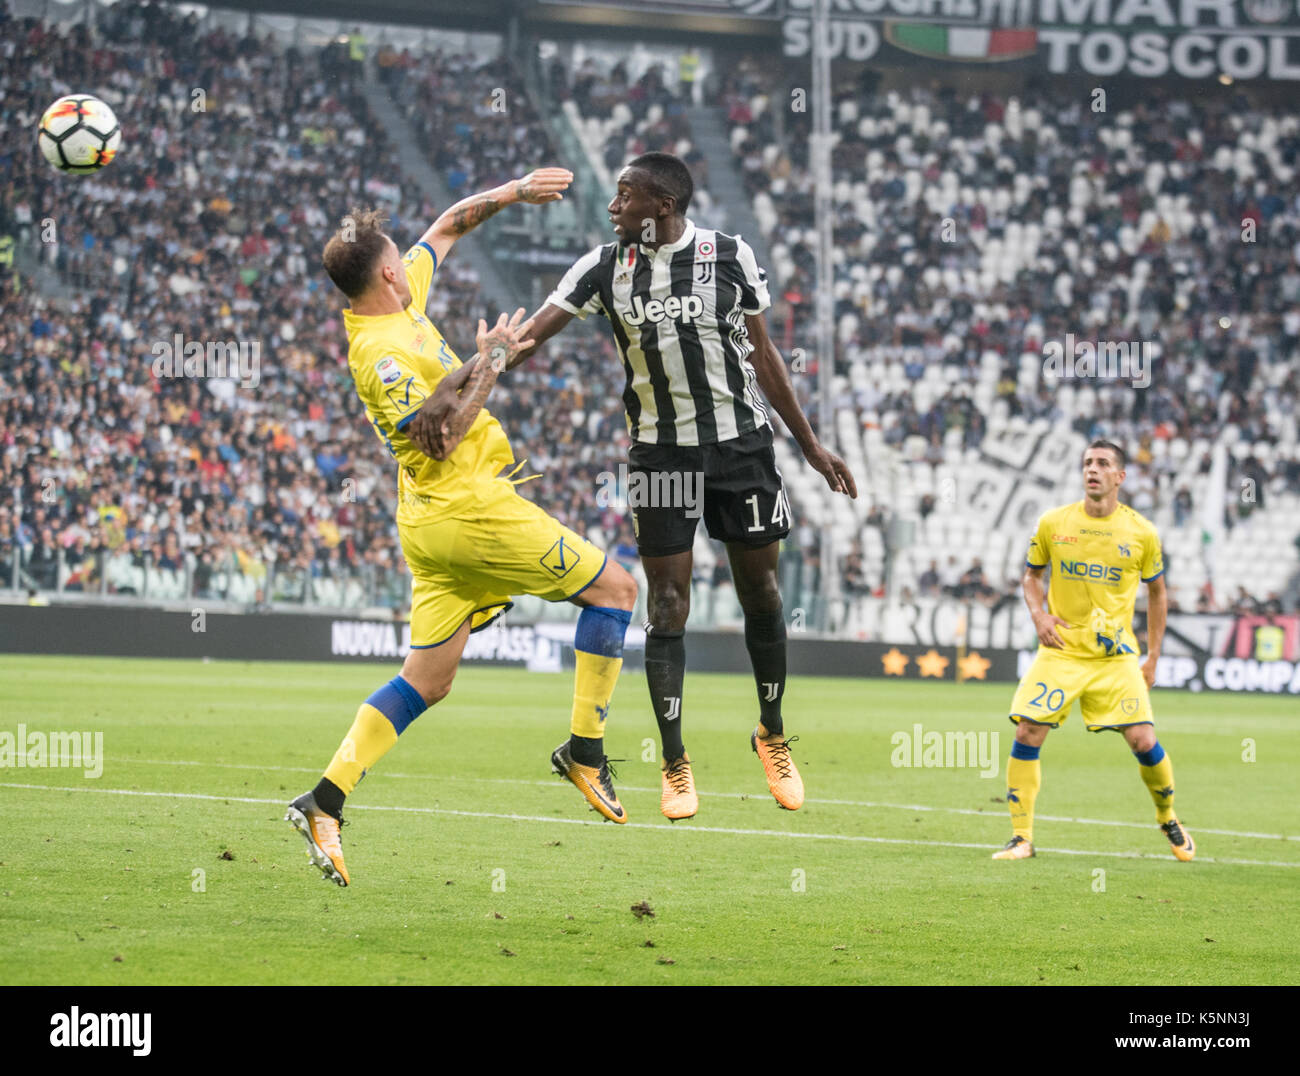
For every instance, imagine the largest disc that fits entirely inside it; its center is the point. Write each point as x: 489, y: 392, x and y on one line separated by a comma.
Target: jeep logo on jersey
x: 679, y: 307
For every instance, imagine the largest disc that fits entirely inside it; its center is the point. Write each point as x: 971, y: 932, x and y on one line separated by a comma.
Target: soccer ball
x: 79, y: 134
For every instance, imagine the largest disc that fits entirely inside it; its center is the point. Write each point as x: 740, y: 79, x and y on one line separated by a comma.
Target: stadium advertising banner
x: 1193, y: 39
x: 1202, y: 653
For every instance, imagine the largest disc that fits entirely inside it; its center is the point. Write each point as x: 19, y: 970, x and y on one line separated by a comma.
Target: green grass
x: 99, y: 888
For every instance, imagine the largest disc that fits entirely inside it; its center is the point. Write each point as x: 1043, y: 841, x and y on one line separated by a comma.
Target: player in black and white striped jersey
x: 679, y: 325
x: 686, y: 308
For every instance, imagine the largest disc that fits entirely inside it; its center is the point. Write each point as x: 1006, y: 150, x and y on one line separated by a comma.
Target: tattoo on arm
x: 472, y: 212
x: 472, y: 396
x: 498, y: 347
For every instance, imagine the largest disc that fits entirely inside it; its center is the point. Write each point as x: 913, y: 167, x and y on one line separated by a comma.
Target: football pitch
x: 472, y: 864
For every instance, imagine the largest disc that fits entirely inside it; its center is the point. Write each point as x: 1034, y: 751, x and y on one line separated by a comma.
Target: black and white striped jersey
x: 678, y: 315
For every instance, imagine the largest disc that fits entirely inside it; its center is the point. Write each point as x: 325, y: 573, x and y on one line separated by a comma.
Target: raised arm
x: 774, y: 380
x: 536, y: 188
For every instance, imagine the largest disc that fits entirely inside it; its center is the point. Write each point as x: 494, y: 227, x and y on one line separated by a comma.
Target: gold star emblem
x: 894, y: 661
x: 972, y: 666
x: 932, y: 663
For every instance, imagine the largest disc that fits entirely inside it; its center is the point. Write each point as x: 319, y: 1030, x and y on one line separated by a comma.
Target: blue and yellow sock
x: 598, y: 644
x: 1158, y: 775
x: 1024, y: 774
x: 382, y: 718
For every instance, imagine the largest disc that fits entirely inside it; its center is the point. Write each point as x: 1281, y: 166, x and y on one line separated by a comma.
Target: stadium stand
x: 972, y: 229
x: 625, y: 102
x: 128, y: 484
x: 169, y: 489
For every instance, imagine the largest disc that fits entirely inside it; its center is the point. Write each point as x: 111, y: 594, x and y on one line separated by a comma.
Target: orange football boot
x: 782, y: 774
x: 596, y: 784
x: 1016, y: 848
x: 679, y: 799
x: 1184, y: 846
x: 321, y: 830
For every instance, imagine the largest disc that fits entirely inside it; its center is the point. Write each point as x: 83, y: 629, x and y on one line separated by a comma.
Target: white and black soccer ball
x: 79, y: 134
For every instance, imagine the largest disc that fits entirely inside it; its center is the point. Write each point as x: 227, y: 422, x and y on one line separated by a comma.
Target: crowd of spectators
x: 209, y: 224
x: 656, y: 104
x: 472, y: 116
x: 641, y: 113
x: 241, y: 154
x: 1171, y: 218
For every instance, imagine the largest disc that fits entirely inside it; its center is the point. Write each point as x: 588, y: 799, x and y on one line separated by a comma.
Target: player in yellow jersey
x: 469, y: 539
x: 1098, y: 551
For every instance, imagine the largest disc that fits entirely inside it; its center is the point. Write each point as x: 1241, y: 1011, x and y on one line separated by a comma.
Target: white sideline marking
x: 637, y: 825
x: 721, y: 795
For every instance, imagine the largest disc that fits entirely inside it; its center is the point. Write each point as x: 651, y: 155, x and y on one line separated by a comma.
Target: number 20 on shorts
x: 1055, y: 698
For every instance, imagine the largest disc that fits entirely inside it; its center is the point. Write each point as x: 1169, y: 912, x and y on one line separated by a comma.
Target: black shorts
x: 734, y: 484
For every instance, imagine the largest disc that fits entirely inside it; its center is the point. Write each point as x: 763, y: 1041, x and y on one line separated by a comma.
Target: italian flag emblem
x: 975, y: 43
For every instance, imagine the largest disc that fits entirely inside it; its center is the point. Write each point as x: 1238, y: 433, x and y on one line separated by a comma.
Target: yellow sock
x: 369, y: 739
x: 598, y: 645
x: 1158, y: 775
x: 381, y: 719
x: 1023, y: 778
x: 593, y: 687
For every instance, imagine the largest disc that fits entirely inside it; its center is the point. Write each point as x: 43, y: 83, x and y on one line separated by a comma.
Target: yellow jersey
x: 1096, y: 565
x: 396, y: 361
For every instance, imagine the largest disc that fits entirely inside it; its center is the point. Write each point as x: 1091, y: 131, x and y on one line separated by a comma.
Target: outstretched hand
x: 500, y: 344
x: 543, y: 185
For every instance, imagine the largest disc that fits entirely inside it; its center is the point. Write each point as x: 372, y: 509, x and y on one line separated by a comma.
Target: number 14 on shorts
x: 780, y: 513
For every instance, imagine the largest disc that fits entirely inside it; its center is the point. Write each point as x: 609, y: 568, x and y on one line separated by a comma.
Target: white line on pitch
x: 719, y: 795
x: 635, y: 825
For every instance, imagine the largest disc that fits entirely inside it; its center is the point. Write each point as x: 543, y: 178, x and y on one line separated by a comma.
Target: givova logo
x: 1082, y: 569
x: 75, y: 1028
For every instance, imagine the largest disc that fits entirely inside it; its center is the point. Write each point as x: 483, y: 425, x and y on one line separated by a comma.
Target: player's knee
x: 433, y: 686
x: 667, y: 609
x: 437, y: 691
x: 433, y: 691
x: 622, y: 588
x: 762, y: 598
x: 614, y: 588
x: 1141, y: 738
x: 1031, y: 734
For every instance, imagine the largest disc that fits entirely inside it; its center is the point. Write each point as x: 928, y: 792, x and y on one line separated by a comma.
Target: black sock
x: 329, y: 797
x: 765, y: 639
x: 665, y: 669
x: 586, y: 751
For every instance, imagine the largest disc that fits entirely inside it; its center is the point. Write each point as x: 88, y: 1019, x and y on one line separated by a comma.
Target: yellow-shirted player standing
x: 470, y: 540
x: 1098, y: 551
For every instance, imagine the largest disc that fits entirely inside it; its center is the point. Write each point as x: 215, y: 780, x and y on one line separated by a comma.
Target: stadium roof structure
x: 559, y: 18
